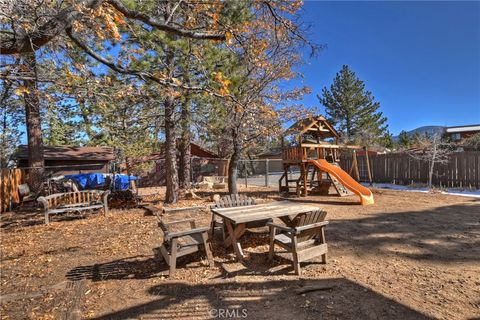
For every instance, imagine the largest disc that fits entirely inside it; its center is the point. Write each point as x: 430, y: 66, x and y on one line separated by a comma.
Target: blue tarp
x: 122, y: 181
x: 87, y: 180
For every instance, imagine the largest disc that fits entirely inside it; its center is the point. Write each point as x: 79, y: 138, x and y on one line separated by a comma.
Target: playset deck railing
x: 294, y: 153
x: 310, y: 151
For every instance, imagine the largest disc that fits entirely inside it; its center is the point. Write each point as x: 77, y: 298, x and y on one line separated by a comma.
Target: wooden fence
x: 462, y: 169
x: 10, y: 179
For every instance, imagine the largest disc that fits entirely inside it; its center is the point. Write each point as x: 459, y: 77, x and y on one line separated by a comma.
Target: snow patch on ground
x: 449, y: 191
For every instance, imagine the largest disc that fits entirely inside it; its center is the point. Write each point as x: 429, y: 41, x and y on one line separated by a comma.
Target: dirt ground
x: 409, y: 256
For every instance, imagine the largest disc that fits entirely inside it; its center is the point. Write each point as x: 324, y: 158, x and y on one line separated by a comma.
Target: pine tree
x: 387, y: 141
x: 404, y: 140
x: 351, y: 108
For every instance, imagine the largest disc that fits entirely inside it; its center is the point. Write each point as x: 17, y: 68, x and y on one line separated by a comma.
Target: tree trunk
x: 171, y: 195
x: 348, y: 128
x: 184, y: 162
x: 170, y: 152
x: 170, y: 138
x: 233, y: 165
x: 252, y: 163
x: 33, y: 121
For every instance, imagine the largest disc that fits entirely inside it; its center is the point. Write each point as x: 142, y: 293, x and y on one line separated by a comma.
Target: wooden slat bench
x: 74, y: 201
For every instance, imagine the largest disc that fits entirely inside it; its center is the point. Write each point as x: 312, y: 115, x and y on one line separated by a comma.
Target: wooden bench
x: 232, y: 201
x: 74, y: 201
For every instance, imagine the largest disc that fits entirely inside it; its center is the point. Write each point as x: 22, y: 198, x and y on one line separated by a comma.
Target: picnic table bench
x: 74, y: 201
x: 237, y: 218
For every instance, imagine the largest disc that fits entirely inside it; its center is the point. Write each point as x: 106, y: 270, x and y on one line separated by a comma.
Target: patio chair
x: 304, y: 238
x: 229, y: 201
x: 180, y: 243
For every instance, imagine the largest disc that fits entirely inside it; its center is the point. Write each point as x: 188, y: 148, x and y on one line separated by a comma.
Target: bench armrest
x: 105, y: 194
x: 44, y: 202
x: 277, y: 226
x: 311, y: 226
x: 166, y: 225
x: 171, y: 235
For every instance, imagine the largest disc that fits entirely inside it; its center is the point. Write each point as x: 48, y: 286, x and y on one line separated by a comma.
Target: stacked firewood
x: 123, y: 199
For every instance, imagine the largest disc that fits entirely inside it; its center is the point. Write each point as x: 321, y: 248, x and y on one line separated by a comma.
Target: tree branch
x: 25, y: 42
x: 22, y: 41
x: 142, y: 75
x: 132, y: 14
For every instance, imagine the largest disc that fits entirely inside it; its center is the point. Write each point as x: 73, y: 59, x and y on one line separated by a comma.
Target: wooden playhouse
x: 310, y: 157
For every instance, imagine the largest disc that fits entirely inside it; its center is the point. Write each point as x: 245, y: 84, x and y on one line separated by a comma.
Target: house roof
x: 317, y: 125
x: 70, y: 153
x: 200, y: 151
x: 466, y: 128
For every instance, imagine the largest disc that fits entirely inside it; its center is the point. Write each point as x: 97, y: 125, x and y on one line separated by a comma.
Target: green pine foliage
x: 405, y: 141
x: 351, y: 108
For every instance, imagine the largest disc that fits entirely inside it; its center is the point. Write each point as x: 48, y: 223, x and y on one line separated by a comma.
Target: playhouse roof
x: 317, y: 125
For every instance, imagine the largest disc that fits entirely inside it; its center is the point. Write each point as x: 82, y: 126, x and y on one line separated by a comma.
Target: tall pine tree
x: 351, y: 108
x: 405, y: 140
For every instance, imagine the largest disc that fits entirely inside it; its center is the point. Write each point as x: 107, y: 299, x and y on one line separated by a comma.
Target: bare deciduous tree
x: 432, y: 150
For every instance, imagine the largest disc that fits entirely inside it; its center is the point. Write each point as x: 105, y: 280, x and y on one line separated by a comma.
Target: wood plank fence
x: 462, y: 169
x: 10, y: 179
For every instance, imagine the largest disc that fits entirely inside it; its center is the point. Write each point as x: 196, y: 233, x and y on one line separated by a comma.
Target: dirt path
x: 410, y: 256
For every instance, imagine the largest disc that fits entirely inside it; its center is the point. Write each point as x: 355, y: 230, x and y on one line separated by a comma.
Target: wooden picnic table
x: 236, y: 218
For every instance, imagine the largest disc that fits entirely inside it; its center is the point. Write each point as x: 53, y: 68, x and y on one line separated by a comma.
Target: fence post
x: 245, y: 173
x: 10, y: 189
x: 266, y: 172
x: 367, y: 160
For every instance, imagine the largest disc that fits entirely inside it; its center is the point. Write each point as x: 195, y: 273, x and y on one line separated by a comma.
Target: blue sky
x: 421, y: 60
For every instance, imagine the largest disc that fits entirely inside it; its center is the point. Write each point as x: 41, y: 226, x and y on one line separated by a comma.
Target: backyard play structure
x: 305, y: 146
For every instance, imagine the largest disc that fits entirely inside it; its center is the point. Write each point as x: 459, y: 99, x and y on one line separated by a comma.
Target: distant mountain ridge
x: 431, y: 130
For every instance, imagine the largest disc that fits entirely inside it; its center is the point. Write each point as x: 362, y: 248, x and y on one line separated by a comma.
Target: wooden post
x: 350, y: 171
x: 266, y: 172
x: 245, y: 173
x: 305, y: 173
x: 368, y: 166
x: 10, y: 189
x: 285, y: 168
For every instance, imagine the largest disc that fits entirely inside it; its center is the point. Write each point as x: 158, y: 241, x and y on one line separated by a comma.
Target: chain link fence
x: 255, y: 172
x: 260, y: 172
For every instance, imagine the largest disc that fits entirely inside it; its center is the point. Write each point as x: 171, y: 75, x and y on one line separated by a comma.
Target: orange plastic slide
x: 366, y: 196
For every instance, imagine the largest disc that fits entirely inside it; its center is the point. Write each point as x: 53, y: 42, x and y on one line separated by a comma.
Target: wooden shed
x: 68, y: 159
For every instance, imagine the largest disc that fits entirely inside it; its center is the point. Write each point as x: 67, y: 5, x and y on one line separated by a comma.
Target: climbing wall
x: 342, y: 191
